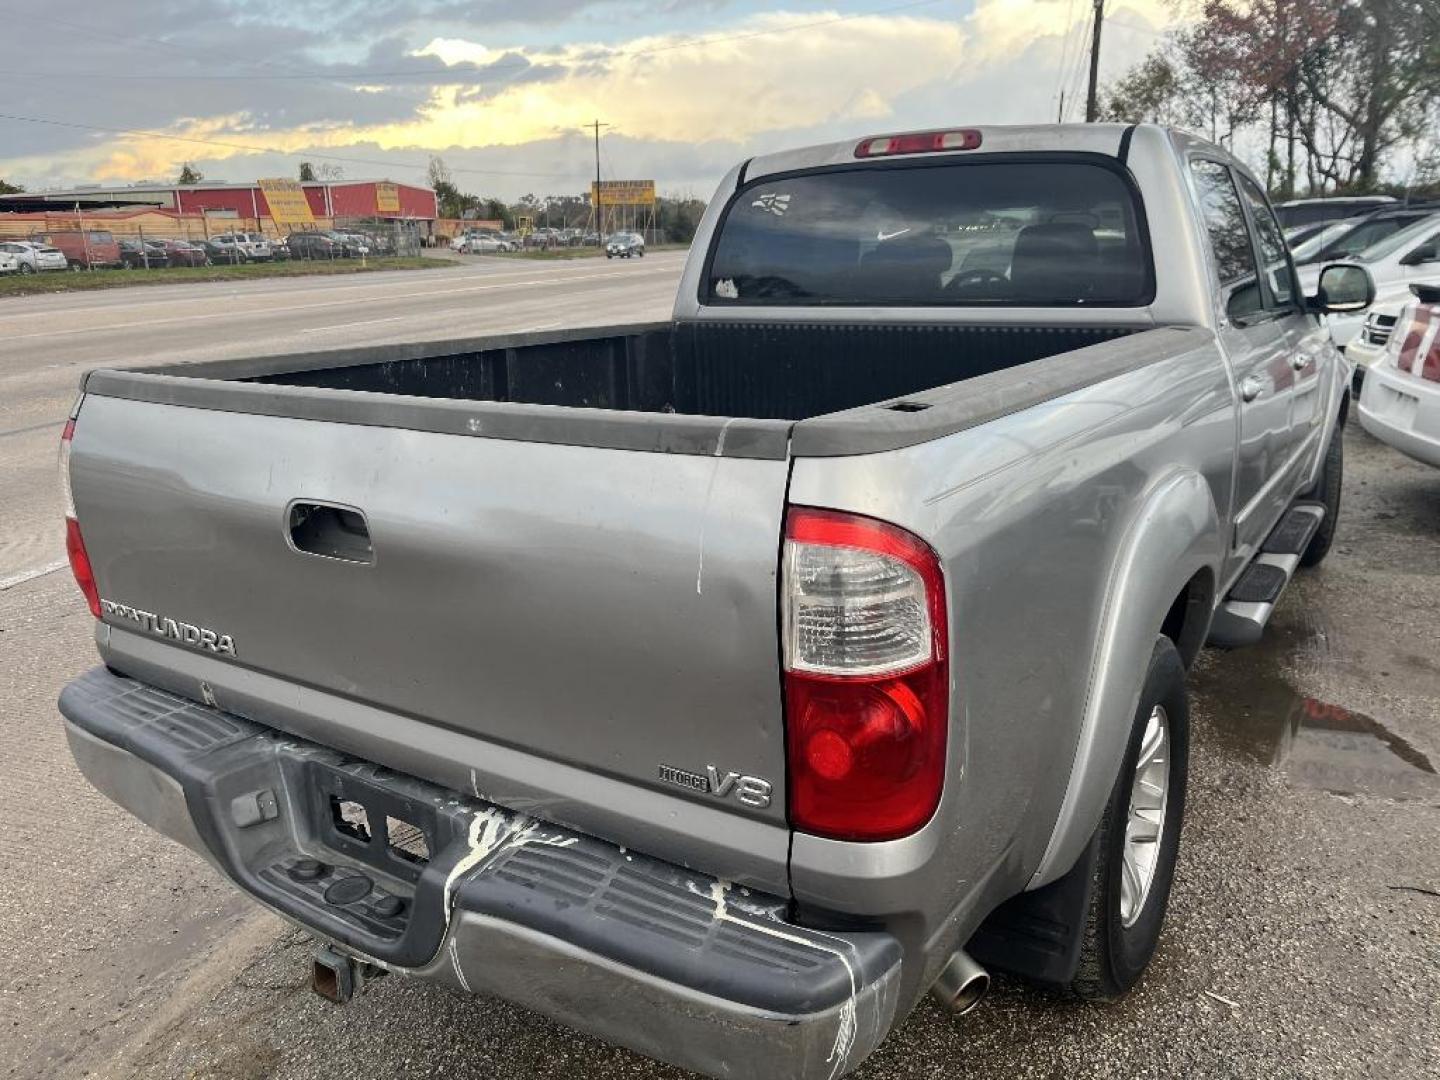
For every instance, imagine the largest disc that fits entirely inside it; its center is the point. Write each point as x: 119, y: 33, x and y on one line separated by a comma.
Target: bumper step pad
x: 268, y: 809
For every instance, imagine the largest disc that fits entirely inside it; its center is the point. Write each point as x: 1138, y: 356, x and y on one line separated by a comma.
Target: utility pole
x: 1092, y: 110
x: 595, y: 209
x: 1060, y: 116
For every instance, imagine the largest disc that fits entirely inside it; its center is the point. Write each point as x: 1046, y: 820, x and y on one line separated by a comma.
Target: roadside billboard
x: 624, y: 193
x: 387, y: 199
x: 288, y: 206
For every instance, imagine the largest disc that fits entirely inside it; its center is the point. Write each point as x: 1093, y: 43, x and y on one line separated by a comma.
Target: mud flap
x: 1037, y: 935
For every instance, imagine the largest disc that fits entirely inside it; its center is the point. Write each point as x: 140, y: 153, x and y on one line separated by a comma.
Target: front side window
x: 1043, y: 233
x: 1231, y: 252
x: 1272, y: 246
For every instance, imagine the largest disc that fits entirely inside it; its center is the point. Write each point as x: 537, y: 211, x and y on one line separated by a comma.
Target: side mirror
x: 1423, y: 254
x: 1343, y: 288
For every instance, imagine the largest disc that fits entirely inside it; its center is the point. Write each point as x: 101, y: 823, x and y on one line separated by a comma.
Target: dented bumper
x: 437, y: 885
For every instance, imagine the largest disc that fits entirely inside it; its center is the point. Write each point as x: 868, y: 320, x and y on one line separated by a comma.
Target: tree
x: 329, y: 171
x: 307, y: 172
x: 1152, y: 92
x: 189, y: 174
x: 1336, y: 89
x: 10, y: 189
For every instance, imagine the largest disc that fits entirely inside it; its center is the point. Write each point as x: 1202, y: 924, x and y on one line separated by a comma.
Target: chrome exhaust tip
x: 962, y: 984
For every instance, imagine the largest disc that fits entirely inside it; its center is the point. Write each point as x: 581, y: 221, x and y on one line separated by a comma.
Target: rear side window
x: 1231, y: 252
x: 1036, y: 233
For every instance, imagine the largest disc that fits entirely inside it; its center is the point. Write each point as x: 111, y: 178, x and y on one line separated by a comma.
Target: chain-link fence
x: 100, y: 243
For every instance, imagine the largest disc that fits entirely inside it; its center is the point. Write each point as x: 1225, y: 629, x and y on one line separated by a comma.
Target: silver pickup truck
x: 720, y: 686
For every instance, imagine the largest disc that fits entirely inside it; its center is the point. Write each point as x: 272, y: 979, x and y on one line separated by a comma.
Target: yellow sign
x: 624, y: 193
x: 387, y: 199
x: 288, y: 206
x: 524, y: 225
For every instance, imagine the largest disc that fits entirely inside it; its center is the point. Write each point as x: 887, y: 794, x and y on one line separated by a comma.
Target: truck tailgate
x: 612, y: 610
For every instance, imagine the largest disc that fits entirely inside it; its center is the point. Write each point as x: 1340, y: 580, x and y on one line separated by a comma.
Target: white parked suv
x: 1400, y: 404
x: 1408, y: 257
x: 253, y: 247
x: 31, y: 257
x: 9, y: 263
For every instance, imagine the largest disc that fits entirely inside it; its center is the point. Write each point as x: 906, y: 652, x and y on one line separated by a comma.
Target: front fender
x: 1174, y: 534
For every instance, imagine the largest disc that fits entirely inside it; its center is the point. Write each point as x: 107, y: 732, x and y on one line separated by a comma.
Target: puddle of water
x: 1315, y: 743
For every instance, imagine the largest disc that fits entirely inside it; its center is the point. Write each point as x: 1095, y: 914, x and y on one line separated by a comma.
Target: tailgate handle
x: 330, y: 531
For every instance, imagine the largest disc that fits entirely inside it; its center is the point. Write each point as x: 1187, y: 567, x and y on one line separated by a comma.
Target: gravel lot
x: 1304, y: 938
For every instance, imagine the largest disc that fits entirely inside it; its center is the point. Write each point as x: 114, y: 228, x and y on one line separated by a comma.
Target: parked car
x: 1400, y: 402
x: 279, y: 249
x: 87, y: 249
x: 1406, y: 257
x: 183, y: 253
x: 34, y: 258
x: 251, y: 247
x: 355, y: 244
x: 1298, y: 212
x: 9, y: 262
x: 479, y: 242
x: 220, y: 254
x: 314, y: 245
x: 380, y: 243
x: 138, y: 254
x: 1362, y: 233
x: 623, y: 245
x: 615, y: 754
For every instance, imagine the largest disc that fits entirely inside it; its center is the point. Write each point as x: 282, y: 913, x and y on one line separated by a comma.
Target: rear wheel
x: 1139, y: 837
x: 1327, y: 492
x: 26, y: 268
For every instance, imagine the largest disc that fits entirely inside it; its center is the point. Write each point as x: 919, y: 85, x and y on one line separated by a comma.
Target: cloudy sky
x: 501, y: 88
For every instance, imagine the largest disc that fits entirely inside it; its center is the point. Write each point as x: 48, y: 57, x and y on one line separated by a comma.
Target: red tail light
x: 74, y: 543
x: 866, y: 676
x: 1415, y: 342
x: 919, y: 142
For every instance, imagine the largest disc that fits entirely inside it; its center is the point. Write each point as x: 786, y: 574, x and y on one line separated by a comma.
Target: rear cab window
x: 1055, y: 232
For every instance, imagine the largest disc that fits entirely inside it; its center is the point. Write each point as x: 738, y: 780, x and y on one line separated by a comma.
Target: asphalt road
x: 1304, y: 938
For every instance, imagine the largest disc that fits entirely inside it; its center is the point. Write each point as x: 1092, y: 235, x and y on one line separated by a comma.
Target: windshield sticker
x: 725, y: 289
x: 773, y: 204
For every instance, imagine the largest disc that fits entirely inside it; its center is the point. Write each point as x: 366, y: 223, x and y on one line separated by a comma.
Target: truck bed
x: 756, y: 370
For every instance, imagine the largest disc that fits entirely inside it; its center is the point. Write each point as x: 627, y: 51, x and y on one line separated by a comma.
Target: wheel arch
x: 1163, y: 573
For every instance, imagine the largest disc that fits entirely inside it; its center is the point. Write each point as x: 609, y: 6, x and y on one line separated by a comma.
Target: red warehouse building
x: 246, y: 201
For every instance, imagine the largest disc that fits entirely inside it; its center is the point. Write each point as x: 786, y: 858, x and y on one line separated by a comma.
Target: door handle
x: 1250, y: 387
x: 1300, y: 361
x: 330, y: 531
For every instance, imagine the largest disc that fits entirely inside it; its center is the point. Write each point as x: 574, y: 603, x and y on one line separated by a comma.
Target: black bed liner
x: 733, y: 389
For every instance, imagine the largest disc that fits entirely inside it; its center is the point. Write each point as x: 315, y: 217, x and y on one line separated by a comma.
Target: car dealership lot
x: 1305, y: 932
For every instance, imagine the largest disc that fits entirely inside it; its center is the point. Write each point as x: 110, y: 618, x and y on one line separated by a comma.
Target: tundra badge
x: 187, y: 633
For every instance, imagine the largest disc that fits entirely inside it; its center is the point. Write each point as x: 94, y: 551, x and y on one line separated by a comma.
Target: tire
x: 1327, y: 492
x: 26, y: 268
x: 1117, y: 943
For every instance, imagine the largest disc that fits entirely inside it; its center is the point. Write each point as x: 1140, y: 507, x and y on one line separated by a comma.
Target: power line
x: 1077, y: 67
x: 1064, y: 56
